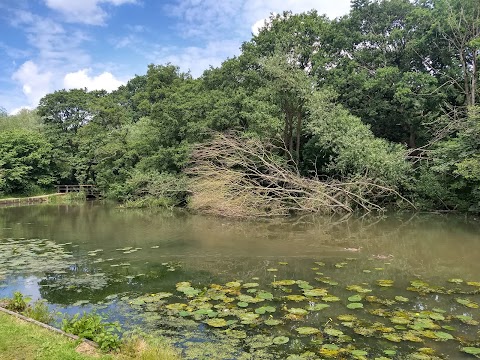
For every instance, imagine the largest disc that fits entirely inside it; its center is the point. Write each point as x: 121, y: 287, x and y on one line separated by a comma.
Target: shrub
x: 92, y: 327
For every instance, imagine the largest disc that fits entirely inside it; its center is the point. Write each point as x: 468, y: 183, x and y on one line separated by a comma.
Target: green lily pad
x: 296, y: 298
x: 233, y: 284
x: 217, y: 323
x: 455, y: 281
x: 265, y: 295
x: 250, y: 285
x: 471, y: 350
x: 280, y: 340
x: 358, y: 289
x: 333, y: 332
x: 401, y: 299
x: 283, y: 283
x: 248, y: 318
x: 307, y: 331
x: 355, y: 306
x: 358, y: 352
x: 392, y: 337
x: 297, y: 311
x: 330, y: 298
x: 468, y: 303
x: 264, y: 309
x: 467, y: 320
x: 272, y: 322
x: 242, y: 304
x: 385, y: 283
x: 355, y: 298
x: 443, y: 335
x: 176, y: 306
x: 327, y: 280
x: 315, y: 292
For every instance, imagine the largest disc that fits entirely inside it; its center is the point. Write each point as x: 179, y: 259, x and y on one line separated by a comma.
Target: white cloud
x: 208, y: 18
x: 35, y: 83
x: 82, y: 79
x: 15, y: 111
x: 84, y: 11
x: 196, y: 59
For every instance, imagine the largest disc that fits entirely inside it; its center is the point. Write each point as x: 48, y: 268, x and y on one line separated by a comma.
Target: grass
x: 20, y: 340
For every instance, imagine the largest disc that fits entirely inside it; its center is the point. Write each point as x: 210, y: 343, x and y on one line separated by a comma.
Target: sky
x: 48, y: 45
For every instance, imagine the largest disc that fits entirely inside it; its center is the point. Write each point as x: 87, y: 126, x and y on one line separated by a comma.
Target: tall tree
x: 458, y: 23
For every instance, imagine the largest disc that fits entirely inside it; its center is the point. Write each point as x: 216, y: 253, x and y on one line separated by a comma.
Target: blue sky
x: 46, y: 45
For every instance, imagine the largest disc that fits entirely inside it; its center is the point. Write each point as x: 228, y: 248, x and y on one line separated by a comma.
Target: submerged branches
x: 243, y: 177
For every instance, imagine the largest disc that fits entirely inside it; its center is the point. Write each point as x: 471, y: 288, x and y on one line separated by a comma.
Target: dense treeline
x: 385, y: 98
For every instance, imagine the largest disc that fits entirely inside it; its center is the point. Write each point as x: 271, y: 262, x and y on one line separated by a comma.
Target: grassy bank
x: 22, y: 340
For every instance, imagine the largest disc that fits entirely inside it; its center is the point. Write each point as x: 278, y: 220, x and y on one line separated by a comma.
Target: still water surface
x: 114, y: 255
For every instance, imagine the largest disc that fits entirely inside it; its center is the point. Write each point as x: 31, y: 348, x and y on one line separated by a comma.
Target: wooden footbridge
x: 91, y: 191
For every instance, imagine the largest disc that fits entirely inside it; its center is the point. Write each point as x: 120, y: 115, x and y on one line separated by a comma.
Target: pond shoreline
x: 29, y: 200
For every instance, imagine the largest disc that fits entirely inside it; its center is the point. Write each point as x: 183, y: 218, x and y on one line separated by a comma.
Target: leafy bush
x: 39, y: 311
x: 18, y: 303
x: 92, y: 327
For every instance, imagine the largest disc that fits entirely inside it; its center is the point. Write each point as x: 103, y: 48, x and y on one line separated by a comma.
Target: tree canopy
x: 387, y: 93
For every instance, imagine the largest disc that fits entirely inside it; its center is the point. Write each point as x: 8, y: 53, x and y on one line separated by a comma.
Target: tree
x: 458, y: 23
x: 25, y: 162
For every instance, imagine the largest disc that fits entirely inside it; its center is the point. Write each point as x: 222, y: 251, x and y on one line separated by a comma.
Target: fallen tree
x: 236, y: 176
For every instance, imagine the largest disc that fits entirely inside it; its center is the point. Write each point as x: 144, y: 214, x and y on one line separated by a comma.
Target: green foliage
x: 26, y: 164
x: 456, y: 165
x: 39, y: 311
x: 92, y: 327
x: 25, y: 119
x: 18, y: 303
x: 341, y: 145
x: 152, y: 189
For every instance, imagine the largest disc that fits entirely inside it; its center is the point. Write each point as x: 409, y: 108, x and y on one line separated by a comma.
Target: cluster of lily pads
x: 330, y: 320
x: 33, y: 256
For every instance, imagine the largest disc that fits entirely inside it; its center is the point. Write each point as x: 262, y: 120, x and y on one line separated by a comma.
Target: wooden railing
x: 90, y: 190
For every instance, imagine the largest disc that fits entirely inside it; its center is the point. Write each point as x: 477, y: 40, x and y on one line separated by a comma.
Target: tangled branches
x: 235, y: 176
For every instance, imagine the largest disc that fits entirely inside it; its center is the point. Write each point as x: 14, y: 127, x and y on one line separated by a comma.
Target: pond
x: 372, y: 287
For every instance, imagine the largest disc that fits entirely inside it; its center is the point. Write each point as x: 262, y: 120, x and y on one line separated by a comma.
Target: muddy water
x: 108, y: 256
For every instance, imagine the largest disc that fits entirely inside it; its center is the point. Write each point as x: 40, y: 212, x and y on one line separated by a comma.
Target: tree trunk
x: 299, y: 130
x: 474, y: 78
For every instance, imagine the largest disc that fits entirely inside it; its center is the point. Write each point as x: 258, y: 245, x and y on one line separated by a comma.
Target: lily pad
x: 385, y: 283
x: 471, y: 350
x: 358, y: 289
x: 265, y: 295
x: 355, y: 298
x: 264, y: 309
x: 468, y: 303
x: 315, y: 292
x: 307, y: 330
x: 298, y: 311
x: 401, y: 299
x: 217, y: 323
x: 455, y: 281
x: 283, y: 283
x: 333, y: 332
x: 296, y: 298
x: 280, y: 340
x: 272, y: 322
x: 355, y: 306
x: 467, y: 320
x: 443, y: 336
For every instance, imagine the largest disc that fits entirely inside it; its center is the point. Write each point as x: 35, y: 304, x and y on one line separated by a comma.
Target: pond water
x: 390, y: 287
